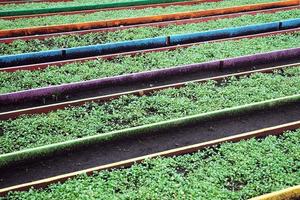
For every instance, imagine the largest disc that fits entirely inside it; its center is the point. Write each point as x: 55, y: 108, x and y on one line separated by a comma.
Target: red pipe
x: 41, y: 66
x: 163, y: 5
x: 158, y: 24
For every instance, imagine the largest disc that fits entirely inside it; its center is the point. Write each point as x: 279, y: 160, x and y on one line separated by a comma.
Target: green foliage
x: 131, y: 111
x: 32, y: 5
x: 230, y: 171
x: 117, y: 14
x: 22, y: 80
x: 68, y: 41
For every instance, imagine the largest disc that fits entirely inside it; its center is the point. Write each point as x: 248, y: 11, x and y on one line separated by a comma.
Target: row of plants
x: 40, y: 5
x: 67, y: 41
x: 117, y: 14
x: 234, y: 171
x: 74, y: 72
x: 127, y: 111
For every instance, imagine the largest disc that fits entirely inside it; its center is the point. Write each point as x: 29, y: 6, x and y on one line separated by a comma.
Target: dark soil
x: 135, y: 146
x: 137, y: 85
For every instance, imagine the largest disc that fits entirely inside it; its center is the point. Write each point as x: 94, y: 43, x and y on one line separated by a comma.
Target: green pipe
x: 9, y: 158
x: 84, y: 7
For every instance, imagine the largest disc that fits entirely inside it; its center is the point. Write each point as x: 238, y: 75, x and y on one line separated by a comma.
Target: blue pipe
x: 109, y: 48
x: 291, y: 23
x: 125, y: 46
x: 223, y: 33
x: 28, y: 58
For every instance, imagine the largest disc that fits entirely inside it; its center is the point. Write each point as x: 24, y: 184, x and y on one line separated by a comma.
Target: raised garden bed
x: 230, y: 171
x: 92, y: 135
x: 129, y: 111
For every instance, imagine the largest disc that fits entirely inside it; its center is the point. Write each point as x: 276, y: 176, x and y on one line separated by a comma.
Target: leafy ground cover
x: 117, y: 14
x: 230, y: 171
x: 75, y: 40
x: 33, y: 5
x: 130, y: 111
x: 22, y: 80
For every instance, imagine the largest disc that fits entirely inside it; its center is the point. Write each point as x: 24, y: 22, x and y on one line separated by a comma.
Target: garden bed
x: 199, y: 114
x: 130, y: 111
x: 230, y: 171
x: 125, y: 148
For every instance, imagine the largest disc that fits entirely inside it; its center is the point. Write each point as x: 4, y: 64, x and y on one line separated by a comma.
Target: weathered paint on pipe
x: 157, y: 24
x: 142, y: 20
x: 162, y: 5
x: 28, y: 95
x: 44, y: 65
x: 118, y: 47
x: 261, y: 133
x: 83, y: 7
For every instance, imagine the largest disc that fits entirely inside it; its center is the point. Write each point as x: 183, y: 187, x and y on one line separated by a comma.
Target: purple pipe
x: 262, y: 58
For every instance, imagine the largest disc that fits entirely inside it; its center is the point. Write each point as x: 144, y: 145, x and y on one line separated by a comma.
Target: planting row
x: 67, y: 41
x: 131, y: 111
x: 23, y: 80
x: 33, y: 5
x: 230, y: 171
x: 117, y: 14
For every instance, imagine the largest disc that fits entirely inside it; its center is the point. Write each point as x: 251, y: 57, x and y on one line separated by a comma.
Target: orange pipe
x: 141, y: 20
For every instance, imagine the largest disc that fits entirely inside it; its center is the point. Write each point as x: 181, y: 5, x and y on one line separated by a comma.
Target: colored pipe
x: 162, y: 5
x: 141, y: 20
x: 83, y: 7
x: 250, y: 60
x: 149, y: 43
x: 157, y: 24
